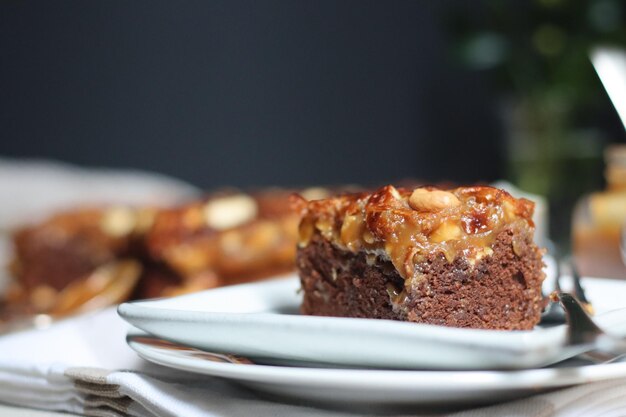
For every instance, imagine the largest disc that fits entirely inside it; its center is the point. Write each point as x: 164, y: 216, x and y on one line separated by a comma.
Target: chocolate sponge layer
x: 501, y: 291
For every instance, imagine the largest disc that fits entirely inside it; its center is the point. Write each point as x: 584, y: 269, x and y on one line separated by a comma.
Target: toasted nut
x: 446, y: 231
x: 326, y: 227
x: 305, y: 233
x: 519, y: 246
x: 119, y: 221
x: 315, y: 193
x: 394, y: 192
x: 368, y: 237
x: 423, y: 199
x: 226, y: 212
x: 352, y: 230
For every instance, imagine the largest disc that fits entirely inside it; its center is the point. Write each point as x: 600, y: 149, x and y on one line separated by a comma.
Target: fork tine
x: 581, y: 328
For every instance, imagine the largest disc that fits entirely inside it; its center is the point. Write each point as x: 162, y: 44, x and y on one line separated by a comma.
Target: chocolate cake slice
x: 71, y: 244
x: 463, y: 257
x: 233, y: 236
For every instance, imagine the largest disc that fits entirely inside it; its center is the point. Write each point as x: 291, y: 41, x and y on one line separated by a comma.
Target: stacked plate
x: 253, y: 334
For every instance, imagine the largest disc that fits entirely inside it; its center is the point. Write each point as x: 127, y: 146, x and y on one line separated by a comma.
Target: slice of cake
x: 232, y: 236
x: 463, y: 257
x: 71, y: 244
x: 224, y: 238
x: 76, y: 254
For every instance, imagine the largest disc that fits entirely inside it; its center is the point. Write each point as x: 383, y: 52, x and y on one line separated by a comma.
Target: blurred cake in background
x: 599, y: 220
x: 69, y: 237
x: 226, y: 238
x: 91, y: 257
x: 70, y: 245
x: 78, y: 257
x: 230, y: 237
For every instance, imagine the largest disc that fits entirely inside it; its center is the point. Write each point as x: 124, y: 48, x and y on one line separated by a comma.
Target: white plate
x: 358, y: 388
x: 251, y: 320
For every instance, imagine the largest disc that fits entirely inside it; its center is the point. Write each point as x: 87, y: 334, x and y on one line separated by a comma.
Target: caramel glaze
x: 385, y: 223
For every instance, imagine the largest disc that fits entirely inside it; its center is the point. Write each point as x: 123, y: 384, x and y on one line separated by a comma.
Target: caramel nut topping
x: 406, y: 226
x: 119, y: 221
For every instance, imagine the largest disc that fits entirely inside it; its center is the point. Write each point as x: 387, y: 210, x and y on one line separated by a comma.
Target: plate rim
x: 508, y: 349
x: 459, y: 380
x: 510, y: 342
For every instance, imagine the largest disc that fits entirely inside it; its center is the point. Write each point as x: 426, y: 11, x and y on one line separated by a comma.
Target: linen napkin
x: 82, y: 365
x: 32, y: 189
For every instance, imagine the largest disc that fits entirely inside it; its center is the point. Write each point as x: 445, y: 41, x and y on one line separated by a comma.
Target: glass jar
x: 599, y: 221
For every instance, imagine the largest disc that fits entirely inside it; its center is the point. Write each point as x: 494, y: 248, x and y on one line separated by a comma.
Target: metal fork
x: 582, y: 332
x: 554, y: 313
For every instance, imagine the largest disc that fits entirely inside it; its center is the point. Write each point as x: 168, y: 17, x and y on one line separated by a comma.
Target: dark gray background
x: 246, y: 92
